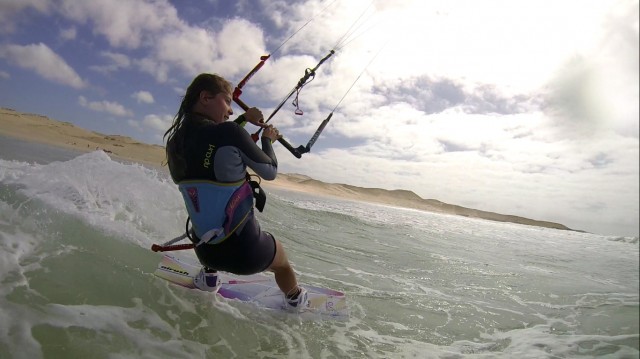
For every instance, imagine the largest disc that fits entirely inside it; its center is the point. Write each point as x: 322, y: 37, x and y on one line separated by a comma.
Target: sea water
x: 77, y: 277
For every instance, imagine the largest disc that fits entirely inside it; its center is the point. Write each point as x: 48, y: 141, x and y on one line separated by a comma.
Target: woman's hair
x: 213, y: 83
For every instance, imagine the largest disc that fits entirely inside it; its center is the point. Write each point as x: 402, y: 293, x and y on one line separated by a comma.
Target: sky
x: 526, y: 107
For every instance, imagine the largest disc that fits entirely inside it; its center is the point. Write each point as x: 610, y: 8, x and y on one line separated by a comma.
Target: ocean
x: 77, y: 276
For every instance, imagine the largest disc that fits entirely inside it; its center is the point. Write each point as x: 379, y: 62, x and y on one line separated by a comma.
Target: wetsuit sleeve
x: 267, y: 148
x: 236, y: 151
x: 262, y: 162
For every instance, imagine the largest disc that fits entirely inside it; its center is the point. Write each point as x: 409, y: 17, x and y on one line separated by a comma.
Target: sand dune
x: 38, y: 128
x: 397, y: 198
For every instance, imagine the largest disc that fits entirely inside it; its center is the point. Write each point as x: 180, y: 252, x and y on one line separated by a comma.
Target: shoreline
x: 42, y: 129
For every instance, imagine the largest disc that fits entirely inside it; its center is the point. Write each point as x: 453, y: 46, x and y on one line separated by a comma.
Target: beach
x: 42, y: 129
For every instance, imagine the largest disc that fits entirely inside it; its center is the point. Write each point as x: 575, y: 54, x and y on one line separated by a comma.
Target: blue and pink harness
x: 216, y: 209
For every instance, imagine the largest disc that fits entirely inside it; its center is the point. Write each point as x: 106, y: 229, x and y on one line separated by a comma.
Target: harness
x: 217, y: 210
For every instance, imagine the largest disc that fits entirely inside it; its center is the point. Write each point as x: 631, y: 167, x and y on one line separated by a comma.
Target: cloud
x: 126, y: 24
x: 153, y: 126
x: 159, y: 123
x: 143, y: 97
x: 113, y: 108
x: 484, y: 105
x: 4, y: 75
x: 599, y: 90
x: 170, y: 49
x: 116, y: 61
x: 437, y: 95
x: 10, y: 11
x: 68, y: 34
x: 156, y: 27
x: 46, y: 63
x: 223, y: 52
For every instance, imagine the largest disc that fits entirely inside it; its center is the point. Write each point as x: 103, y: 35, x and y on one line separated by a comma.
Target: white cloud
x: 450, y: 109
x: 157, y: 28
x: 118, y: 60
x: 223, y: 53
x: 516, y: 46
x: 124, y: 23
x: 160, y: 71
x: 237, y: 39
x: 159, y: 123
x: 134, y: 124
x: 166, y: 38
x: 4, y: 75
x: 599, y: 90
x: 171, y: 48
x: 113, y: 108
x: 68, y: 34
x: 46, y: 63
x: 143, y: 97
x: 115, y: 61
x: 10, y: 11
x: 507, y: 166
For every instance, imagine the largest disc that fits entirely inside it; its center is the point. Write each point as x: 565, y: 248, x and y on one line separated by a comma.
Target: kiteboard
x: 260, y: 289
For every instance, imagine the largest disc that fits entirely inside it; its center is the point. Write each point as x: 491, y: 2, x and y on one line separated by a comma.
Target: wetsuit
x: 220, y: 154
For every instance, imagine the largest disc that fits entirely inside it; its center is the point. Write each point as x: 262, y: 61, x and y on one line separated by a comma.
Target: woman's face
x: 218, y: 107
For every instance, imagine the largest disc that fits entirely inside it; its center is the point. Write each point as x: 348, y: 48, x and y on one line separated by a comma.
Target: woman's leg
x: 284, y: 274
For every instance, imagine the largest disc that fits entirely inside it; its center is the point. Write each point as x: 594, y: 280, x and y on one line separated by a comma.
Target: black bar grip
x: 288, y: 146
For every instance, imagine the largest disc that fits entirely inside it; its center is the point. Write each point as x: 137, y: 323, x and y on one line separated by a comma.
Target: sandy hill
x: 38, y: 128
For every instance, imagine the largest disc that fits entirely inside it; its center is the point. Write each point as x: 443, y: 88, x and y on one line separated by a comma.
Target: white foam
x: 127, y: 200
x: 418, y: 284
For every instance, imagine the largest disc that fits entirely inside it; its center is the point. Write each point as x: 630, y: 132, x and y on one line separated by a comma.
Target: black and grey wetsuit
x: 217, y: 157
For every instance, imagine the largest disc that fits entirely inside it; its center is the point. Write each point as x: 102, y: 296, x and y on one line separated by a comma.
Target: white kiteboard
x: 260, y: 289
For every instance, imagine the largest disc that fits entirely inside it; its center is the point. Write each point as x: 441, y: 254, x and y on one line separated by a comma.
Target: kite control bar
x: 284, y: 142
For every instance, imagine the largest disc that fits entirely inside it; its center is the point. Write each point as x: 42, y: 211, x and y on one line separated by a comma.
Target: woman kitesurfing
x: 208, y: 158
